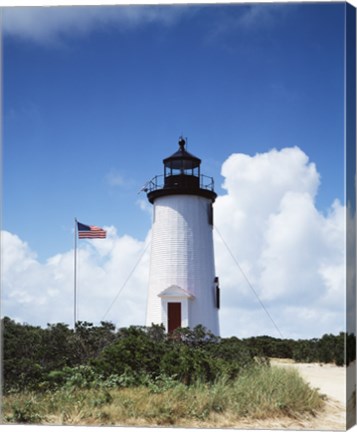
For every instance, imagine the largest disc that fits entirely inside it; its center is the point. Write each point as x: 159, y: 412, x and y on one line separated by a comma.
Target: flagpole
x: 75, y: 276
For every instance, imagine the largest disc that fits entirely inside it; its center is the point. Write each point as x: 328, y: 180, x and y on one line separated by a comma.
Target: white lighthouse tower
x: 183, y: 287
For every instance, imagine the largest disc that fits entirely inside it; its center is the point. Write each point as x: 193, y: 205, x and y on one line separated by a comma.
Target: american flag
x: 90, y: 232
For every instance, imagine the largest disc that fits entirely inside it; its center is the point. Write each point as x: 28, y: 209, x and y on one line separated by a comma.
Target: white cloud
x: 50, y: 25
x: 292, y: 254
x: 39, y: 293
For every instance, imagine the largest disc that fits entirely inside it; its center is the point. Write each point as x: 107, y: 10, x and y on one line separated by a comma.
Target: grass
x: 258, y: 393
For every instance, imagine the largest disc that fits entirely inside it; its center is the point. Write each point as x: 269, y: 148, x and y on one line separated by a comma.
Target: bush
x: 36, y: 359
x: 258, y: 392
x: 187, y: 355
x: 25, y: 413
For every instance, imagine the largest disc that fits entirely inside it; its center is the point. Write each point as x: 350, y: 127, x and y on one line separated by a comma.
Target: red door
x: 173, y: 316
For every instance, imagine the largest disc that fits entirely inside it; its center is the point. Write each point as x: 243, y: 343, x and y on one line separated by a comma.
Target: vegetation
x: 31, y: 353
x: 36, y: 358
x: 340, y: 349
x: 259, y: 392
x: 141, y: 375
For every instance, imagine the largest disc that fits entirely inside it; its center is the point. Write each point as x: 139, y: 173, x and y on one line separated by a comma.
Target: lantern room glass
x: 181, y: 167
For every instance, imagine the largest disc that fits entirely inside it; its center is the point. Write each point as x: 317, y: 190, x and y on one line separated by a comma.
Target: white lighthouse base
x: 182, y: 274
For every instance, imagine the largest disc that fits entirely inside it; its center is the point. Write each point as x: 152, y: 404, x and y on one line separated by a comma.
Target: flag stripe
x: 90, y: 231
x: 89, y: 235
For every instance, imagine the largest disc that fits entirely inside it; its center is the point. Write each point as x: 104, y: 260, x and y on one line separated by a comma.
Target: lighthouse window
x: 210, y: 214
x: 218, y: 298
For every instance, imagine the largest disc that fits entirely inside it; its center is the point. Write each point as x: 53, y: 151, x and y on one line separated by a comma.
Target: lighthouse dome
x: 182, y: 159
x: 181, y: 176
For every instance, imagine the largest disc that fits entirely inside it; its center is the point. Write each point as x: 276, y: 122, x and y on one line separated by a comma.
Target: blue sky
x: 95, y: 97
x: 115, y: 100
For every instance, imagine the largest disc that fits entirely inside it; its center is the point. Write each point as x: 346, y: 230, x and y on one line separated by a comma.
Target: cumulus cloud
x: 293, y: 255
x: 41, y: 293
x: 49, y: 25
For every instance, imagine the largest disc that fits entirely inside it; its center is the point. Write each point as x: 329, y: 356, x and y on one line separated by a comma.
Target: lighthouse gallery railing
x: 158, y: 182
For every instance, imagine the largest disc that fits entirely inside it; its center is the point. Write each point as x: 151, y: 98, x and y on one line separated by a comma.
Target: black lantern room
x: 181, y: 176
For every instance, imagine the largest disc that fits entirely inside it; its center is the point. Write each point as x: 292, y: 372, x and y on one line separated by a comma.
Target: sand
x: 330, y: 380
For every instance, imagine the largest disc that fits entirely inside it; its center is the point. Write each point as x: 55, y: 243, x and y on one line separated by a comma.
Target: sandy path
x: 330, y: 380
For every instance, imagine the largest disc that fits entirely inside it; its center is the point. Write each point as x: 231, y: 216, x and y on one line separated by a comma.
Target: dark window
x: 210, y: 213
x: 218, y: 297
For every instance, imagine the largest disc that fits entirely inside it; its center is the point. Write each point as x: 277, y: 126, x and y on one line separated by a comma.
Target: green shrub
x: 40, y: 359
x: 259, y: 392
x: 26, y: 412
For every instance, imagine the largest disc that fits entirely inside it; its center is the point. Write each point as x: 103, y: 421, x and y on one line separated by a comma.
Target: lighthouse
x: 183, y: 286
